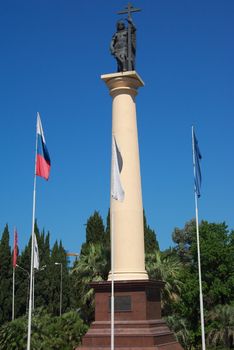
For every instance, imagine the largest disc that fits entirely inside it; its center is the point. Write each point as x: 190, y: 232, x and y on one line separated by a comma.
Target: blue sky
x: 52, y: 56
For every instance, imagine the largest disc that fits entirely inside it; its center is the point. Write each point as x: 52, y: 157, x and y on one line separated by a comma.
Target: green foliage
x: 177, y: 267
x: 165, y: 267
x: 217, y: 265
x: 46, y: 279
x: 48, y: 332
x: 22, y: 281
x: 5, y: 277
x: 13, y: 335
x: 183, y: 239
x: 92, y: 266
x: 151, y: 243
x: 95, y: 231
x: 107, y: 242
x: 108, y: 230
x: 180, y: 328
x: 221, y: 329
x: 52, y: 280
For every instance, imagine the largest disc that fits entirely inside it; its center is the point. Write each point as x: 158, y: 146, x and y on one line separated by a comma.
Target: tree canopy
x: 176, y: 266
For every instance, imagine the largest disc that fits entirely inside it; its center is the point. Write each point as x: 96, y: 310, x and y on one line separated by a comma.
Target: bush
x: 48, y: 332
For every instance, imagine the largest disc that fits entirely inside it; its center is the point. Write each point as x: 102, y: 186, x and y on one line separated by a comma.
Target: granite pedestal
x: 138, y: 322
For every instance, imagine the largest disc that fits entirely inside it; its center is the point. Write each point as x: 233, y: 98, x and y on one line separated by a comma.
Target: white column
x: 129, y: 255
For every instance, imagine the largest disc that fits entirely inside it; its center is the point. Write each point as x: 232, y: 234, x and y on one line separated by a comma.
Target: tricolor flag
x: 36, y: 254
x: 15, y: 250
x: 43, y: 158
x: 196, y: 164
x: 117, y: 191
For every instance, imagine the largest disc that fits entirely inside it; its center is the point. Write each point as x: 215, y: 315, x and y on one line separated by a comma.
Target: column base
x: 129, y: 276
x: 138, y: 323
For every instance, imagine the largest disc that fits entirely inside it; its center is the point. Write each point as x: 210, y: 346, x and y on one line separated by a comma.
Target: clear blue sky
x: 52, y: 56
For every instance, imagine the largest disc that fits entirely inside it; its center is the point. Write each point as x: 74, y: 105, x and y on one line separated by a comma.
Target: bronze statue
x: 123, y: 43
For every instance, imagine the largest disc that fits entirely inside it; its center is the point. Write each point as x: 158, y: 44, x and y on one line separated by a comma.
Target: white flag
x: 36, y: 254
x: 117, y: 191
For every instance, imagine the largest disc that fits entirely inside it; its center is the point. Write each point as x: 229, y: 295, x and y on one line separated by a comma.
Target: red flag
x: 15, y: 251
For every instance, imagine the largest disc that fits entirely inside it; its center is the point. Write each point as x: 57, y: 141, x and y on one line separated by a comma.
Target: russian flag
x: 43, y: 158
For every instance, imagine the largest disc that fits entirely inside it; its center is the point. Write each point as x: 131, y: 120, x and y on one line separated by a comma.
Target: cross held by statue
x: 123, y: 44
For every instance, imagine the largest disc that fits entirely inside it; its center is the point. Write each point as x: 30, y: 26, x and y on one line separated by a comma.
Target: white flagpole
x: 32, y: 251
x: 13, y: 277
x: 33, y: 285
x: 13, y: 295
x: 198, y: 253
x: 112, y: 285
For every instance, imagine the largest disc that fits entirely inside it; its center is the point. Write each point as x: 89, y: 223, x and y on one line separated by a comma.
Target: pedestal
x: 138, y: 323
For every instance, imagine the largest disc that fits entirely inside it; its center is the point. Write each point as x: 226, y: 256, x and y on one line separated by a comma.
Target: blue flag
x: 196, y: 164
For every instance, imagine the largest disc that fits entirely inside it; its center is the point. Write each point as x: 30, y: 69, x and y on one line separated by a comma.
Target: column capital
x: 123, y: 82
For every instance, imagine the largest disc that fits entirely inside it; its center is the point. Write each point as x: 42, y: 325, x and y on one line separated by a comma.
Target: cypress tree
x: 22, y: 281
x: 67, y: 288
x: 41, y: 281
x: 5, y: 277
x: 151, y: 243
x: 95, y: 231
x: 107, y: 242
x: 58, y: 255
x: 108, y: 229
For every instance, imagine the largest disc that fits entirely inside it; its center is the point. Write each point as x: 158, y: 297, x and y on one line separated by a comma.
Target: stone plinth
x: 138, y: 323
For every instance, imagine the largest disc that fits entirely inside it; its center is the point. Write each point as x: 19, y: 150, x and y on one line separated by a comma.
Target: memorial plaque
x: 122, y: 303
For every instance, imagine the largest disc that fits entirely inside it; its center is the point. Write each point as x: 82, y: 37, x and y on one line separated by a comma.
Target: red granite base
x: 138, y: 323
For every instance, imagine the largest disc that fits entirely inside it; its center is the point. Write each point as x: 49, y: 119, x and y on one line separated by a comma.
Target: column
x: 127, y: 216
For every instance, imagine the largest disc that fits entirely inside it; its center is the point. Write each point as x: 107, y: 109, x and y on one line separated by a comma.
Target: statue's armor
x: 121, y: 42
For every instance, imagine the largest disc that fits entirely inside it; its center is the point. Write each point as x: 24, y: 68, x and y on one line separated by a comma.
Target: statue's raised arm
x: 123, y: 43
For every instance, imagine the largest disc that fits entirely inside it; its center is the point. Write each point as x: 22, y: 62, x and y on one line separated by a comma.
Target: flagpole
x: 33, y: 284
x: 198, y: 252
x: 15, y: 253
x: 112, y: 285
x: 117, y: 193
x: 13, y: 295
x: 32, y: 251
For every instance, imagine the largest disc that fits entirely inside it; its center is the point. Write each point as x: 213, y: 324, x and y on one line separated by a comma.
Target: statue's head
x: 120, y: 25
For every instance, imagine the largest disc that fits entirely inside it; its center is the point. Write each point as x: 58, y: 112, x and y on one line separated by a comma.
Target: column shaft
x: 127, y: 216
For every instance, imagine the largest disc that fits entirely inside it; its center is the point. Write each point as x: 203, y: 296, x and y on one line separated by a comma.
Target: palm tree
x: 166, y: 268
x: 222, y: 332
x: 92, y: 266
x: 180, y: 328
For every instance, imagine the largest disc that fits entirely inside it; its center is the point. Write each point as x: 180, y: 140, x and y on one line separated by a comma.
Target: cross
x: 129, y: 9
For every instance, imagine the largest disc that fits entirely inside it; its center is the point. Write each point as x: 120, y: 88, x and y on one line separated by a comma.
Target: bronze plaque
x: 122, y: 303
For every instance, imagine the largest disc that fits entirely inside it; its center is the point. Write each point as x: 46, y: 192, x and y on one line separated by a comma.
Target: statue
x: 119, y: 46
x: 123, y: 43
